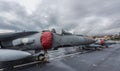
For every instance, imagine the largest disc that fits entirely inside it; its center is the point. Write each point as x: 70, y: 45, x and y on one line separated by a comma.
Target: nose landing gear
x: 43, y: 57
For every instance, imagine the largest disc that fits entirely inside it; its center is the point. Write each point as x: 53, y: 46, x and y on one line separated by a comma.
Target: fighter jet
x: 15, y: 46
x: 96, y: 45
x: 100, y: 43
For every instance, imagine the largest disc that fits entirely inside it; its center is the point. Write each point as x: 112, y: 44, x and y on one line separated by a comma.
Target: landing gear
x: 42, y: 57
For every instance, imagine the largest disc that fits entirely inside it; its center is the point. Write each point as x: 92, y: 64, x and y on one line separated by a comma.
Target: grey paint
x: 22, y: 41
x: 37, y: 43
x: 12, y: 36
x: 10, y: 55
x: 32, y: 42
x: 70, y: 40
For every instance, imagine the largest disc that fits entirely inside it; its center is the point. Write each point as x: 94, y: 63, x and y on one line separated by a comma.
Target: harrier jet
x: 15, y: 46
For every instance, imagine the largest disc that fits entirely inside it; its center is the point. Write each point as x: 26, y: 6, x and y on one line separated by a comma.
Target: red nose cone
x: 101, y: 41
x: 46, y: 40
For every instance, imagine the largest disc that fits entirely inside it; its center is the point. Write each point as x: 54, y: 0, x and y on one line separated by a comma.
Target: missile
x: 11, y: 55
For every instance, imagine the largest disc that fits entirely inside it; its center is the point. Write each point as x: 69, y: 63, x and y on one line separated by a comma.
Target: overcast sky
x: 89, y: 17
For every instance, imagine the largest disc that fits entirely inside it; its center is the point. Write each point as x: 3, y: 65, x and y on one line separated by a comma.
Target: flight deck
x: 107, y: 59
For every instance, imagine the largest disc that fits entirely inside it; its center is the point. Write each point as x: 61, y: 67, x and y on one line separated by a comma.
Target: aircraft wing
x: 11, y: 36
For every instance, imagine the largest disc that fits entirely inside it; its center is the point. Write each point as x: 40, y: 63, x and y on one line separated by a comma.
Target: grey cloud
x: 81, y: 16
